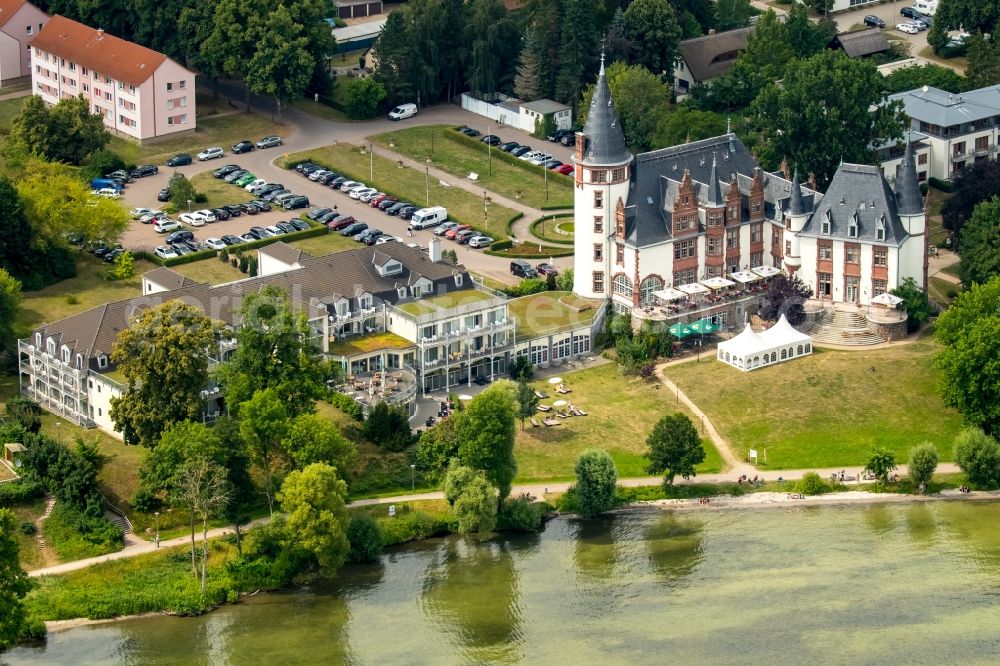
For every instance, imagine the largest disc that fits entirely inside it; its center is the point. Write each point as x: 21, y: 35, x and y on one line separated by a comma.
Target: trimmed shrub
x: 942, y: 185
x: 496, y: 246
x: 978, y: 454
x: 348, y: 405
x: 812, y: 484
x: 365, y: 537
x: 520, y: 514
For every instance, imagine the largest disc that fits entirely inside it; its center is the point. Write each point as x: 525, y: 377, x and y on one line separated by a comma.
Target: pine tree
x: 984, y: 61
x: 577, y: 45
x: 617, y: 46
x: 528, y: 82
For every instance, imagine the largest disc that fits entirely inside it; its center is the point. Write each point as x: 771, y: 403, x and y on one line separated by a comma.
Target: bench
x: 473, y: 176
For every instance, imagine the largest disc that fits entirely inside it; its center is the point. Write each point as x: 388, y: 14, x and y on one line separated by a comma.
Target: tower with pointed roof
x: 602, y: 172
x: 910, y: 209
x: 795, y: 219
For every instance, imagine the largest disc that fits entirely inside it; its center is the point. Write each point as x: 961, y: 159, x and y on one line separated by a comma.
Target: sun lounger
x: 544, y: 408
x: 534, y: 423
x: 550, y: 422
x: 561, y: 415
x: 580, y: 412
x: 563, y: 390
x: 541, y: 395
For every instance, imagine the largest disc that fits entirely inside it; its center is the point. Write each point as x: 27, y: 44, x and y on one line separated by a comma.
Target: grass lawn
x: 828, y: 409
x: 87, y: 290
x: 621, y: 412
x: 406, y: 183
x: 8, y: 109
x: 548, y: 229
x: 31, y: 555
x: 318, y: 246
x: 369, y: 343
x: 339, y: 95
x: 444, y: 302
x: 221, y: 130
x: 510, y: 177
x: 938, y: 289
x: 218, y: 191
x: 952, y: 269
x: 210, y: 270
x: 551, y: 311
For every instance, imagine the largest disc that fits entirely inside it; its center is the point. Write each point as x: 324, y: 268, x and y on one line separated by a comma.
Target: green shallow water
x: 907, y: 584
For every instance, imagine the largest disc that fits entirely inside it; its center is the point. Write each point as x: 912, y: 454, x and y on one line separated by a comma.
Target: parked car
x: 552, y: 165
x: 509, y: 146
x: 958, y: 40
x: 559, y: 134
x: 407, y: 212
x: 909, y: 28
x: 120, y: 174
x: 382, y: 240
x: 468, y: 131
x: 372, y: 238
x: 520, y: 150
x: 341, y: 223
x: 261, y: 205
x: 182, y: 236
x: 267, y: 189
x: 300, y: 225
x: 530, y: 155
x: 403, y: 111
x: 317, y: 213
x: 273, y: 194
x: 308, y: 168
x: 223, y: 171
x: 152, y: 216
x: 235, y: 210
x: 491, y: 140
x: 210, y: 154
x: 386, y: 204
x: 194, y: 219
x: 282, y: 198
x: 182, y: 248
x: 910, y: 12
x: 328, y: 178
x: 362, y: 236
x: 360, y: 192
x: 925, y: 21
x: 318, y: 173
x: 248, y: 238
x: 242, y: 147
x: 180, y: 159
x: 207, y: 214
x: 215, y: 243
x: 233, y: 176
x: 348, y: 184
x: 522, y: 269
x: 245, y: 179
x: 396, y: 207
x: 269, y: 142
x: 452, y: 233
x: 165, y: 252
x: 337, y: 182
x: 540, y: 159
x: 259, y: 232
x: 296, y: 202
x: 353, y: 228
x: 464, y: 236
x: 221, y: 214
x: 166, y: 225
x: 874, y: 21
x: 326, y: 218
x: 445, y: 228
x: 229, y: 239
x: 254, y: 184
x: 275, y: 230
x: 480, y: 241
x: 249, y: 209
x: 286, y: 227
x: 144, y: 170
x: 545, y: 269
x: 305, y: 165
x: 565, y: 169
x: 136, y: 213
x: 109, y: 257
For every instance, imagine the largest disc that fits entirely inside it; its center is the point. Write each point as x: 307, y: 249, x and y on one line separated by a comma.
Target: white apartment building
x: 139, y: 93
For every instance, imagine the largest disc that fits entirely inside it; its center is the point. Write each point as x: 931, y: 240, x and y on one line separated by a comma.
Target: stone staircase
x: 118, y: 519
x: 842, y: 327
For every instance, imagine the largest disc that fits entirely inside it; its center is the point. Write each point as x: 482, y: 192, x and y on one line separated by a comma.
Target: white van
x: 429, y: 217
x: 926, y: 7
x: 403, y: 111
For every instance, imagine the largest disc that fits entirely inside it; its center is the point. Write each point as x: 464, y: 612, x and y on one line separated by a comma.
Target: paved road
x: 310, y: 132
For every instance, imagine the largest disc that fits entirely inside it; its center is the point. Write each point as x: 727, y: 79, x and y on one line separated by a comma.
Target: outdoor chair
x: 544, y: 408
x: 551, y: 422
x: 534, y: 423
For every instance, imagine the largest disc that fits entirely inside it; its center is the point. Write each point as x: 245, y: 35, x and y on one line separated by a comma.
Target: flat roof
x: 551, y: 311
x: 444, y: 302
x: 369, y: 343
x: 358, y: 31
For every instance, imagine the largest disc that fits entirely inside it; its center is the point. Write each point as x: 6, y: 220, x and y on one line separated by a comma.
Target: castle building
x: 674, y: 218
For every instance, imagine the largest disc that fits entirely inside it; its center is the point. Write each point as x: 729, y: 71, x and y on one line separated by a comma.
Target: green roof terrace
x: 368, y: 343
x: 551, y: 312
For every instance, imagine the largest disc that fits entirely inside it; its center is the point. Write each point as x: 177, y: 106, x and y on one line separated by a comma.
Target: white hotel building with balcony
x: 140, y: 93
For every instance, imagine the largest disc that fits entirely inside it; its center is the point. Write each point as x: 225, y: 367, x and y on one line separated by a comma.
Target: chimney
x: 100, y: 32
x: 434, y: 249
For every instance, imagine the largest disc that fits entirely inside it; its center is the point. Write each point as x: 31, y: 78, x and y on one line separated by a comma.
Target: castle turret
x: 910, y: 208
x: 795, y: 219
x: 602, y: 176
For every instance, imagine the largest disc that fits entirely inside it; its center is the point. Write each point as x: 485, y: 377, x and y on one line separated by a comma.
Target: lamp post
x: 189, y: 205
x: 486, y: 219
x: 371, y: 162
x: 546, y: 177
x: 413, y: 477
x: 157, y: 514
x: 427, y: 184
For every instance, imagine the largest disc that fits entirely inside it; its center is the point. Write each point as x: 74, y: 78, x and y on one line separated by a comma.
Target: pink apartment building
x: 19, y: 22
x: 139, y: 92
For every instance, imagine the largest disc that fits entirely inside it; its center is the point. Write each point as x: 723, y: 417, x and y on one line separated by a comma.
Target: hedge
x: 291, y: 164
x: 550, y: 239
x: 943, y: 185
x: 316, y: 230
x: 496, y: 246
x: 516, y: 253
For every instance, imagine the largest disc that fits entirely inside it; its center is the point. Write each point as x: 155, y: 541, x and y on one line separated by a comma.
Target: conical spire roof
x: 908, y: 198
x: 714, y: 193
x: 795, y: 205
x: 605, y: 140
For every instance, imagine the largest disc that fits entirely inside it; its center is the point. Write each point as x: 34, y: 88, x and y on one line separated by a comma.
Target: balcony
x: 691, y: 309
x: 960, y: 156
x: 394, y: 386
x: 465, y: 333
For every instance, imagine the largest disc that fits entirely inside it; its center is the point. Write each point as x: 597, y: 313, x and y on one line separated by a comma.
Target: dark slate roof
x: 908, y: 198
x: 858, y: 192
x: 284, y: 252
x: 713, y: 55
x: 605, y: 140
x: 713, y: 196
x: 863, y: 42
x: 795, y: 205
x: 321, y: 280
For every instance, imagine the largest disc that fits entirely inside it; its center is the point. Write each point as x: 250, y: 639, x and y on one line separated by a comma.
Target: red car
x: 451, y: 233
x: 546, y: 269
x: 341, y: 223
x: 565, y: 169
x: 377, y: 200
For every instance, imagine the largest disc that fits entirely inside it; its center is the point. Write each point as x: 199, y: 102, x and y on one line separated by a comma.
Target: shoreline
x: 763, y: 500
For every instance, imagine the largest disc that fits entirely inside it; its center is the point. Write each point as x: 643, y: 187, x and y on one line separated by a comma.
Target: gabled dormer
x: 386, y: 265
x: 734, y: 201
x: 756, y: 196
x: 854, y: 226
x: 685, y: 213
x: 880, y: 228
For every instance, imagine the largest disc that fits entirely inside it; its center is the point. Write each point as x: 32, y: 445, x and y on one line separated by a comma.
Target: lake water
x: 908, y: 584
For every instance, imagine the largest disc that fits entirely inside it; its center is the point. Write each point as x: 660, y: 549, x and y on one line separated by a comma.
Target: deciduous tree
x: 527, y: 401
x: 805, y: 36
x: 281, y: 65
x: 181, y: 189
x: 10, y: 300
x: 231, y: 43
x: 163, y: 356
x: 264, y: 426
x: 764, y: 60
x: 881, y: 463
x: 980, y: 246
x: 317, y: 520
x: 826, y: 90
x: 14, y: 583
x: 984, y: 61
x: 388, y: 427
x: 922, y: 463
x: 180, y: 444
x: 364, y: 97
x: 915, y: 302
x: 973, y: 185
x: 596, y: 479
x: 436, y: 448
x: 476, y: 506
x: 202, y: 488
x: 521, y: 368
x: 641, y: 100
x: 785, y: 296
x: 674, y: 448
x: 917, y: 76
x: 653, y: 31
x: 732, y: 14
x: 685, y: 123
x: 978, y: 455
x: 67, y: 132
x: 970, y: 333
x: 486, y: 433
x: 314, y: 439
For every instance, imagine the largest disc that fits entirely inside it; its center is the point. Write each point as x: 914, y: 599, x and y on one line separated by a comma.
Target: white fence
x: 495, y: 112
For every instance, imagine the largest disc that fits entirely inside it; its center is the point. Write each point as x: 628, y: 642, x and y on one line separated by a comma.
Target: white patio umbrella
x: 888, y: 299
x: 465, y: 398
x: 559, y: 403
x: 555, y: 380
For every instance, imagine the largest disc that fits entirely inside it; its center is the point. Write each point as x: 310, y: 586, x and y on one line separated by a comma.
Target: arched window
x: 647, y: 287
x: 623, y: 286
x: 727, y: 357
x: 808, y: 348
x: 799, y: 351
x: 784, y: 354
x: 774, y: 357
x: 756, y: 361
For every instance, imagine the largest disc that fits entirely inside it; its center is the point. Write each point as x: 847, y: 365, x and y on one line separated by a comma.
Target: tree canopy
x: 14, y: 583
x: 264, y: 426
x: 282, y: 64
x: 317, y: 520
x: 596, y: 480
x: 825, y: 91
x: 674, y: 448
x: 486, y: 432
x: 10, y: 300
x: 973, y: 185
x: 917, y: 76
x: 641, y: 100
x: 786, y: 295
x: 918, y: 308
x: 163, y: 356
x: 980, y: 246
x: 654, y: 34
x: 978, y: 455
x: 67, y: 132
x: 970, y: 333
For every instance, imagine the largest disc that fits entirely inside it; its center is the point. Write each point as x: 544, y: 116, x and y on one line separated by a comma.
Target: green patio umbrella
x: 704, y: 326
x: 681, y: 331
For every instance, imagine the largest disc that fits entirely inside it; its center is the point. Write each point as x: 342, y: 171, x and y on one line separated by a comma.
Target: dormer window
x: 402, y: 292
x: 102, y: 361
x: 365, y: 301
x: 79, y: 361
x: 38, y: 339
x: 50, y: 346
x: 66, y: 353
x: 458, y: 279
x: 852, y: 228
x: 880, y: 229
x: 824, y: 226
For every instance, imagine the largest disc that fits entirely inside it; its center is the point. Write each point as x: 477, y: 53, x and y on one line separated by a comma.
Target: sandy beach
x: 789, y: 500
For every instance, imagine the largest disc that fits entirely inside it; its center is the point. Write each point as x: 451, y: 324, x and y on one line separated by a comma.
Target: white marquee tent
x: 750, y: 350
